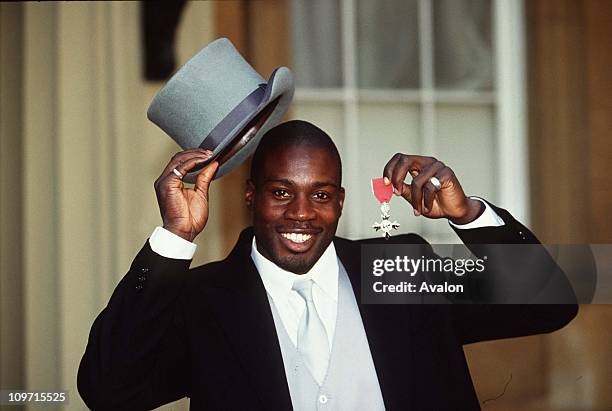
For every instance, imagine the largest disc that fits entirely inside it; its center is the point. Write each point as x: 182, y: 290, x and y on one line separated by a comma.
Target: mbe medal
x: 383, y: 194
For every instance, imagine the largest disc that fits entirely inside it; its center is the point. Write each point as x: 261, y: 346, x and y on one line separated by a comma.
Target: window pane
x: 388, y: 44
x: 316, y: 43
x: 463, y: 44
x: 466, y: 143
x: 328, y: 116
x: 384, y: 129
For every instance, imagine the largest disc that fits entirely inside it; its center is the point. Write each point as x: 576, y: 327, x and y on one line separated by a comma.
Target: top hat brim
x: 279, y: 87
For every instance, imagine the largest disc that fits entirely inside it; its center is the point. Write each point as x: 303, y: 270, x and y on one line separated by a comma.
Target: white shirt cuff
x: 170, y: 245
x: 488, y: 218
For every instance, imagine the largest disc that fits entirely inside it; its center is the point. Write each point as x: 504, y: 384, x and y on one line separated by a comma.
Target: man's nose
x: 300, y: 209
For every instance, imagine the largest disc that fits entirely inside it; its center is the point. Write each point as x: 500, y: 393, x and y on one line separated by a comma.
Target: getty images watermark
x: 411, y: 267
x: 485, y: 273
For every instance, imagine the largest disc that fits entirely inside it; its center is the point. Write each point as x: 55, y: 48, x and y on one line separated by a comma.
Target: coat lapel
x: 241, y: 305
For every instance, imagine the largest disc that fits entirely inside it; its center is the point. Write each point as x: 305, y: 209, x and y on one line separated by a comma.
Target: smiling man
x: 296, y: 196
x: 279, y: 323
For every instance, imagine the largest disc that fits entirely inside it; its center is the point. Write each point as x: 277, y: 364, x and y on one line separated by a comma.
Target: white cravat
x: 312, y: 341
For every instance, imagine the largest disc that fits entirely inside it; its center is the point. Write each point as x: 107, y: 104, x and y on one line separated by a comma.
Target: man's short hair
x: 289, y: 134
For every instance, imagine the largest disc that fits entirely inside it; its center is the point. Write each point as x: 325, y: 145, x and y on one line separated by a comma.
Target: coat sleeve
x: 135, y: 355
x: 525, y: 272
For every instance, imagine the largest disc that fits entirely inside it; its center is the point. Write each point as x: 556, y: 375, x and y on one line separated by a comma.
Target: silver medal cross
x: 385, y: 225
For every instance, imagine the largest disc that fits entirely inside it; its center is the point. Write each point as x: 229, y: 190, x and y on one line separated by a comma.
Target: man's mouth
x: 297, y: 238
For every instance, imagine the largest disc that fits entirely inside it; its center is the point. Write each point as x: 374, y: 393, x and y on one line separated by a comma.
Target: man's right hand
x: 184, y: 210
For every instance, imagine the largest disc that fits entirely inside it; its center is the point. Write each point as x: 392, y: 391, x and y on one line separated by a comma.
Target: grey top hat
x: 211, y: 99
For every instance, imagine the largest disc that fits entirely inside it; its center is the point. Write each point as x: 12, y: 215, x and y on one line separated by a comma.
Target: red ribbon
x: 382, y: 192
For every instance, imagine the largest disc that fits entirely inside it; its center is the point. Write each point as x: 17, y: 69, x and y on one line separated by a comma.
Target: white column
x: 510, y: 61
x: 351, y: 111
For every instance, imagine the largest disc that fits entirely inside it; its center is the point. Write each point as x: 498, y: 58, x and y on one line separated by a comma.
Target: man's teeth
x: 296, y: 237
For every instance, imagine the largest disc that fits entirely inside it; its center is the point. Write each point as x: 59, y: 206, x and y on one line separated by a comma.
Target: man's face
x: 296, y: 203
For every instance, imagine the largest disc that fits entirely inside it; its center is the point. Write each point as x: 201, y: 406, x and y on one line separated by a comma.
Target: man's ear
x: 249, y: 193
x: 341, y: 198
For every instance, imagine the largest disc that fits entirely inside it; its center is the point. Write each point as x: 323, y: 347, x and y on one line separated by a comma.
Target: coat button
x: 139, y: 287
x: 323, y: 399
x: 145, y: 270
x: 142, y: 278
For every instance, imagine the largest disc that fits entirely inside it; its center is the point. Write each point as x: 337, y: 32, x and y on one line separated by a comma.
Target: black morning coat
x: 208, y: 333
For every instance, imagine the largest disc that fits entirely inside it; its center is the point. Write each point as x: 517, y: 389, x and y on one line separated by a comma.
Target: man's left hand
x: 447, y: 201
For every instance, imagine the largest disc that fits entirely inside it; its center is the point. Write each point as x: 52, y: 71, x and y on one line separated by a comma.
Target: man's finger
x: 397, y: 172
x: 187, y: 166
x: 174, y: 180
x: 412, y: 165
x: 429, y: 195
x: 419, y: 182
x: 183, y: 157
x: 398, y: 168
x: 388, y: 170
x: 406, y: 192
x: 205, y: 177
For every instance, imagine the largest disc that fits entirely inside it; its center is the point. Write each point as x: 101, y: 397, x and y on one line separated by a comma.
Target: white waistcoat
x: 351, y: 382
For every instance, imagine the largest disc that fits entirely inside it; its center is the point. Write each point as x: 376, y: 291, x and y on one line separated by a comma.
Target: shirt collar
x: 278, y: 282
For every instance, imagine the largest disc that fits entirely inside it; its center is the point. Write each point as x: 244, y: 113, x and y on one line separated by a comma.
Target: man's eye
x: 281, y: 193
x: 321, y: 196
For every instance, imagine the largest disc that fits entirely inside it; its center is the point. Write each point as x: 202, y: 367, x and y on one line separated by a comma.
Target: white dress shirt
x: 488, y: 218
x: 289, y: 304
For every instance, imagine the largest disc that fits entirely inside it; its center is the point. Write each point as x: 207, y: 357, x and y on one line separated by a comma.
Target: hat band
x: 229, y: 122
